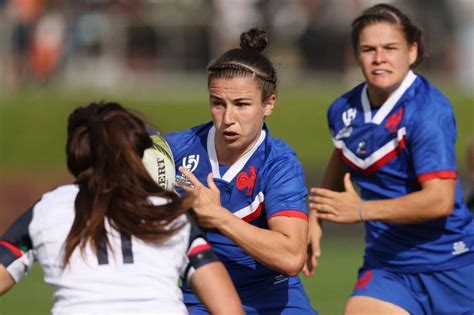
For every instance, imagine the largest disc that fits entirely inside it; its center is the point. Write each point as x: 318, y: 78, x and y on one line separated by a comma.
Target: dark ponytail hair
x: 384, y: 13
x: 104, y: 149
x: 247, y: 61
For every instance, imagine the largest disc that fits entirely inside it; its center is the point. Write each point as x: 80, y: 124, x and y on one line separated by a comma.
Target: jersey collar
x: 237, y: 166
x: 389, y: 104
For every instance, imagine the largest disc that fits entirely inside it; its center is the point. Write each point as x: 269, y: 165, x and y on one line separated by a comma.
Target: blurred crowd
x: 101, y: 42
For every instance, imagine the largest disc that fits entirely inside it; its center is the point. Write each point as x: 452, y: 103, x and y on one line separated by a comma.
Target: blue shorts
x: 442, y: 292
x: 285, y: 296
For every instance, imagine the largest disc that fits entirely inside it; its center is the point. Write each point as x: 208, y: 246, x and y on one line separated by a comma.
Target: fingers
x: 322, y: 207
x: 210, y: 182
x: 315, y: 191
x: 349, y: 187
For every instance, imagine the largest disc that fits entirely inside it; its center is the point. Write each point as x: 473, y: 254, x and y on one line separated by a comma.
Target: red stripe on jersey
x: 438, y: 174
x: 377, y: 164
x: 15, y: 250
x: 387, y: 158
x: 252, y: 216
x: 292, y: 214
x: 199, y: 248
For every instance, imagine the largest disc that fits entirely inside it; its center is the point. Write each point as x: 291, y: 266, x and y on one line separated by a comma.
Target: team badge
x: 394, y: 120
x: 191, y: 162
x: 245, y: 180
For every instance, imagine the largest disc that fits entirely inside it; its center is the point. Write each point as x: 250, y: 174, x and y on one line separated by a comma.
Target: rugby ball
x: 159, y: 162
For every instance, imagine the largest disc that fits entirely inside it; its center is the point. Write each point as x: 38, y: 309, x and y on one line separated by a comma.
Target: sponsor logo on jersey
x: 394, y: 120
x: 362, y: 148
x: 247, y: 181
x: 347, y: 117
x: 191, y: 162
x: 459, y: 248
x: 279, y: 279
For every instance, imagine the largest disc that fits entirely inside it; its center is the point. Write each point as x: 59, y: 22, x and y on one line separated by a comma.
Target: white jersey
x: 131, y: 276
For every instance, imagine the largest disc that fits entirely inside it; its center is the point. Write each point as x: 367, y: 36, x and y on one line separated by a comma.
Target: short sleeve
x: 285, y: 188
x: 431, y: 137
x: 199, y: 252
x: 16, y: 249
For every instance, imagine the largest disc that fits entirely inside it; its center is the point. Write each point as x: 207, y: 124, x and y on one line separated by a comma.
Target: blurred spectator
x: 47, y: 45
x: 230, y: 19
x: 464, y: 10
x: 25, y: 16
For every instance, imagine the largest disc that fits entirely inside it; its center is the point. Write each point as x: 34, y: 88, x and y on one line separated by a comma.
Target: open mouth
x: 230, y: 136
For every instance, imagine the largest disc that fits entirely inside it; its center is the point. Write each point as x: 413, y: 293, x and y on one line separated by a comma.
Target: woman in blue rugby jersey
x: 254, y: 207
x: 394, y: 135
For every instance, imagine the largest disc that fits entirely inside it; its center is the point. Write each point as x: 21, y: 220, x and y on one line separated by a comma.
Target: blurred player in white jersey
x: 114, y: 241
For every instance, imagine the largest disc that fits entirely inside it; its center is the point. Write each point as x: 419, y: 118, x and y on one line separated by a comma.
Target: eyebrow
x: 240, y: 99
x: 387, y: 44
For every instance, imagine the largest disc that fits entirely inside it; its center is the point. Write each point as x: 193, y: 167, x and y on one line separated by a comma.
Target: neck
x: 377, y: 97
x: 228, y: 156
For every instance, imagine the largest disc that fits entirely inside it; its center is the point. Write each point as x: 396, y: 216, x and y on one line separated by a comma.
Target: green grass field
x: 32, y: 142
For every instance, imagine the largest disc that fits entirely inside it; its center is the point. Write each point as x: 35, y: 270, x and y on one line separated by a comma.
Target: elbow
x: 444, y: 207
x: 294, y: 264
x: 446, y: 210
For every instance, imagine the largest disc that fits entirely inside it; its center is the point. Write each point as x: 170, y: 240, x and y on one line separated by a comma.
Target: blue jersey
x: 268, y: 181
x: 390, y: 152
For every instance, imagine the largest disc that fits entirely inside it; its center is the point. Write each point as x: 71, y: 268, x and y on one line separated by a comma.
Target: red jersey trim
x: 252, y: 216
x: 12, y: 248
x: 445, y: 174
x: 199, y: 248
x: 379, y: 163
x: 291, y: 214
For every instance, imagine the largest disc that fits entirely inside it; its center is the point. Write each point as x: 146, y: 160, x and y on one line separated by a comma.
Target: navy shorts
x: 446, y: 292
x: 285, y: 296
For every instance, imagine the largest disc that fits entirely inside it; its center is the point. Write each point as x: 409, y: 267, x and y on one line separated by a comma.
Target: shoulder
x: 181, y: 141
x: 279, y: 155
x: 277, y: 148
x: 59, y: 195
x: 185, y: 135
x: 429, y: 99
x: 348, y: 99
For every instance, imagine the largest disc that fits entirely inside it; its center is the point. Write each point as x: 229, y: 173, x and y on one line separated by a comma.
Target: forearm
x: 212, y: 284
x: 278, y: 250
x: 334, y: 173
x: 416, y: 207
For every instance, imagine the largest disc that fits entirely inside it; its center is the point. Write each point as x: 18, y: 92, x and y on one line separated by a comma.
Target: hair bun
x: 254, y: 39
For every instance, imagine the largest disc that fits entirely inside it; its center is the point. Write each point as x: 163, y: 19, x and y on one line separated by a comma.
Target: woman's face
x: 238, y: 113
x: 384, y: 57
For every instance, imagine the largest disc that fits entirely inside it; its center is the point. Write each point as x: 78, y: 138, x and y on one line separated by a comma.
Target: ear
x: 268, y: 105
x: 413, y: 52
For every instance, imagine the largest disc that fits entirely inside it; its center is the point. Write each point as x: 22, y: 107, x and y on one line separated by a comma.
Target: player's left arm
x: 434, y: 200
x: 281, y: 247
